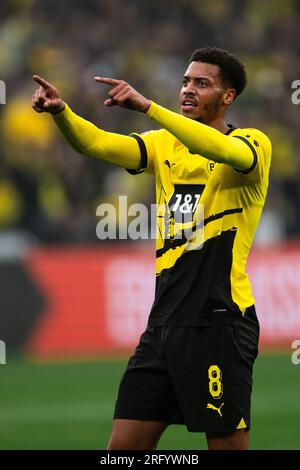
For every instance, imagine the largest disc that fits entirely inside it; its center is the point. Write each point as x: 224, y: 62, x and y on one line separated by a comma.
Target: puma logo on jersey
x: 213, y: 407
x: 166, y: 162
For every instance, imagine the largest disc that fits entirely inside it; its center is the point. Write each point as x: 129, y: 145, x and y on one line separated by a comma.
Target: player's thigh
x: 238, y: 440
x: 130, y: 434
x: 211, y: 369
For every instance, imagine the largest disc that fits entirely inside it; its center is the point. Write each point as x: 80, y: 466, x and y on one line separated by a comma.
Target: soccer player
x: 193, y: 364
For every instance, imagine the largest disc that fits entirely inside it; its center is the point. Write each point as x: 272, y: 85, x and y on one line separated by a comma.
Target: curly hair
x: 232, y: 70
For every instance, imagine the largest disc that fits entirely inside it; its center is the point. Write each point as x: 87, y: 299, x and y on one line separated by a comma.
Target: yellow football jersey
x: 206, y: 220
x: 207, y: 212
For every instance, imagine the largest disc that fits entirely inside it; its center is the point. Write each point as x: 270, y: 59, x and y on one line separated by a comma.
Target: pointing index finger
x: 107, y: 80
x: 41, y: 81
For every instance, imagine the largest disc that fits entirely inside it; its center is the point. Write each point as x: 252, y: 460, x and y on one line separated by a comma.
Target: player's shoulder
x: 255, y: 136
x: 248, y: 132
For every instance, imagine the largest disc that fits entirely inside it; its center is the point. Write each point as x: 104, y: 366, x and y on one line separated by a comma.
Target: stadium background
x: 72, y: 306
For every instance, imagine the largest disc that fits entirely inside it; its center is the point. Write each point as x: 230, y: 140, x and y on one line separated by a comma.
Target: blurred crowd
x: 49, y: 192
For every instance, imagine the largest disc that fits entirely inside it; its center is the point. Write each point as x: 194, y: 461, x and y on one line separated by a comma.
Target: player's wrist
x: 60, y: 109
x: 151, y: 109
x: 63, y: 114
x: 146, y: 106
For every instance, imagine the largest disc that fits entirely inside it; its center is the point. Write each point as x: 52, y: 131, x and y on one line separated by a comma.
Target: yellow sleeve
x: 263, y: 151
x: 148, y: 153
x: 204, y: 140
x: 89, y: 140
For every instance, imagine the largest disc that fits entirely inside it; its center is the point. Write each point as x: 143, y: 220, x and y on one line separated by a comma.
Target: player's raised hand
x: 124, y: 95
x: 46, y: 98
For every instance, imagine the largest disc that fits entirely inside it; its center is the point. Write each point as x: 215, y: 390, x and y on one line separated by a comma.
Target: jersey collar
x: 231, y: 129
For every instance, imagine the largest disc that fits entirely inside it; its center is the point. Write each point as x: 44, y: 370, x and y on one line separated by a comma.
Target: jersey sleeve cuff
x: 151, y: 111
x: 62, y: 115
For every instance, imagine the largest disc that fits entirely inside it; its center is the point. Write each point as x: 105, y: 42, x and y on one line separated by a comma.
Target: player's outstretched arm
x: 199, y: 138
x: 84, y: 136
x: 204, y: 140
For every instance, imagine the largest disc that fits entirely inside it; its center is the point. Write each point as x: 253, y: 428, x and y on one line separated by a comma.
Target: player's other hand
x: 46, y: 98
x: 124, y: 95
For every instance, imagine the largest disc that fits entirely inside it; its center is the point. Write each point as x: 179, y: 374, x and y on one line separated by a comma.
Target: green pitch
x: 69, y: 406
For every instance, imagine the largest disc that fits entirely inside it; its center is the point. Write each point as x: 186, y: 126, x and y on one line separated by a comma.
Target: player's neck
x: 219, y: 124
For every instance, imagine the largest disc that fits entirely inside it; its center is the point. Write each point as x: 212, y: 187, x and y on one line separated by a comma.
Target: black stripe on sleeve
x: 245, y: 172
x: 144, y: 155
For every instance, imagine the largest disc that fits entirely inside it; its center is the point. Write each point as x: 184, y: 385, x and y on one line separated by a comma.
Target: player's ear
x: 229, y: 96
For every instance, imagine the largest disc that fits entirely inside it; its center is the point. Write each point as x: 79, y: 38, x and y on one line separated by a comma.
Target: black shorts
x: 197, y: 376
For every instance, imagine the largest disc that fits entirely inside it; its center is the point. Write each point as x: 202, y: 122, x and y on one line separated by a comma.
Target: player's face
x: 203, y: 95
